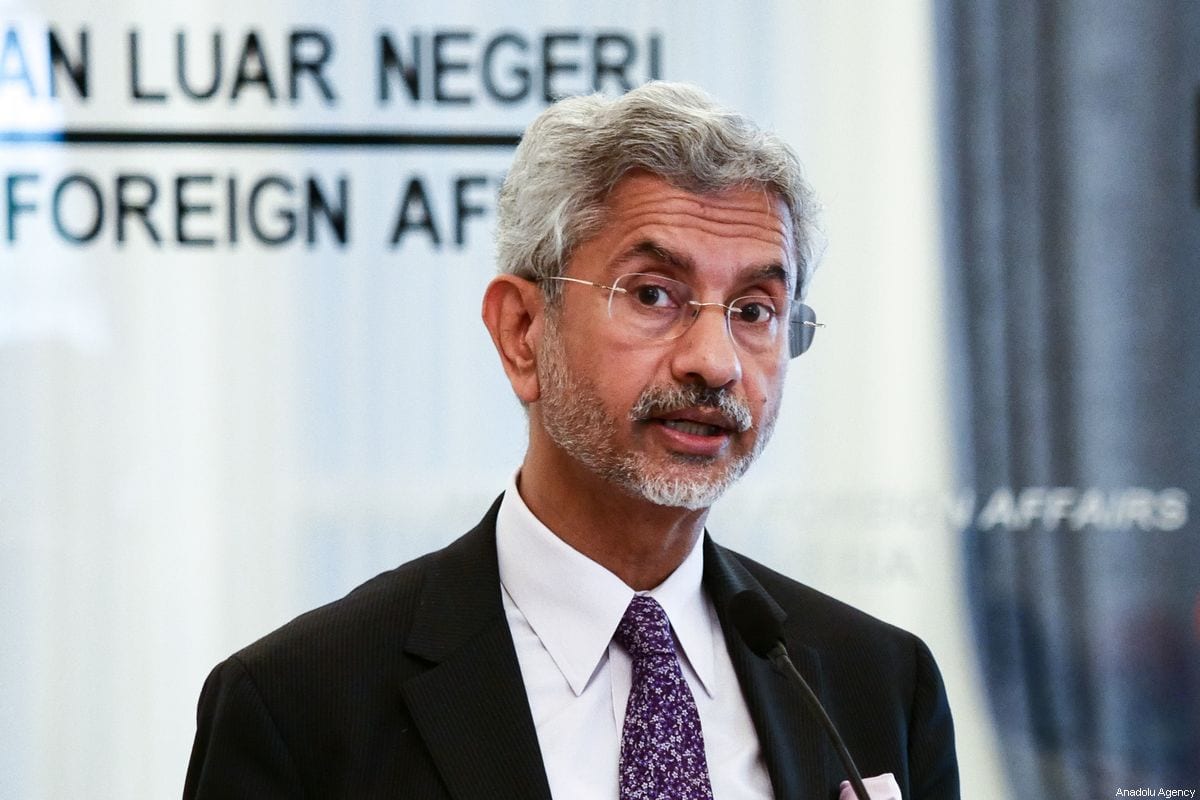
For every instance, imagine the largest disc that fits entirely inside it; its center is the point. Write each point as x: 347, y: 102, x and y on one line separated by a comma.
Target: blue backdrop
x: 1069, y: 140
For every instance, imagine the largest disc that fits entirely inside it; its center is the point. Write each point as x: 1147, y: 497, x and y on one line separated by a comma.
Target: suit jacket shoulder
x: 816, y: 619
x: 878, y: 683
x: 375, y: 694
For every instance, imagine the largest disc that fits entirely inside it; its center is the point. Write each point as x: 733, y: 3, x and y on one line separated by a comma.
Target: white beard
x: 575, y: 420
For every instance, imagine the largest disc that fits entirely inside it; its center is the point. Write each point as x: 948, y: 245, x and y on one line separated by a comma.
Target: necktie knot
x: 645, y: 630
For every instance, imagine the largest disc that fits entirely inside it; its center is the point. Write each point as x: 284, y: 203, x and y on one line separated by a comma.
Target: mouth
x: 698, y: 433
x: 692, y: 422
x: 698, y: 430
x: 693, y: 428
x: 702, y: 421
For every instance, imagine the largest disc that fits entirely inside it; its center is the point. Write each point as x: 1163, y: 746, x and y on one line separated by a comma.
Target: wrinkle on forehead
x: 751, y: 207
x: 752, y: 229
x: 649, y: 209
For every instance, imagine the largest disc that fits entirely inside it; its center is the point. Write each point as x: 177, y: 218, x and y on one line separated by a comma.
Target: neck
x: 639, y: 542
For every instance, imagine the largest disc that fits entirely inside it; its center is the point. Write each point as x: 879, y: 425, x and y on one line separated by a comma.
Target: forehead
x: 727, y: 232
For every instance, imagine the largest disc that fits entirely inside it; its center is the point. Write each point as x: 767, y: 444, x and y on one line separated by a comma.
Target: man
x: 577, y: 643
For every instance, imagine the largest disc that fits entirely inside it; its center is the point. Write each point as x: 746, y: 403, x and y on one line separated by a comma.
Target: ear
x: 512, y: 312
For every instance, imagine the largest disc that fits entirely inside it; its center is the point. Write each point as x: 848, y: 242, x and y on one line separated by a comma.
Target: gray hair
x: 574, y: 154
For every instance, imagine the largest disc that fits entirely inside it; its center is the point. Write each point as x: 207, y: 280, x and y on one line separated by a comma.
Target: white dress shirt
x: 563, y: 609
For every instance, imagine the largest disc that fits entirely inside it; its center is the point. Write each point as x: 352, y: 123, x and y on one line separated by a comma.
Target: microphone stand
x: 779, y: 659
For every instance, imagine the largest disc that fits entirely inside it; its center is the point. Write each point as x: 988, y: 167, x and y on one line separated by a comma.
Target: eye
x: 754, y: 310
x: 653, y: 291
x: 650, y: 295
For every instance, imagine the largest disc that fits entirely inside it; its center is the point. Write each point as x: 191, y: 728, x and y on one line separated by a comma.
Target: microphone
x: 763, y: 634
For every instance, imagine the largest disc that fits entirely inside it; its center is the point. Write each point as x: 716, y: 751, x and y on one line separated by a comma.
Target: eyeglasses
x: 660, y: 309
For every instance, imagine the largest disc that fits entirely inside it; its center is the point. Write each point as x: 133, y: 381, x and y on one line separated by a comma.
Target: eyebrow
x: 648, y: 248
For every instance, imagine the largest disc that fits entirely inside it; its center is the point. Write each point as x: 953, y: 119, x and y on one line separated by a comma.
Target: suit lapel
x: 471, y: 708
x: 791, y: 739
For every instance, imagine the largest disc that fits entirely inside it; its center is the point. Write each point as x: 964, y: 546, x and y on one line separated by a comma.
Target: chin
x: 689, y: 490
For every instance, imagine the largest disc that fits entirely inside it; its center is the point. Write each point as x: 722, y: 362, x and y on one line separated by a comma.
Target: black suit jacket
x: 409, y: 687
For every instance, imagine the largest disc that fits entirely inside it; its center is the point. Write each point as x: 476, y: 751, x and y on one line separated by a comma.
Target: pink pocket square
x: 881, y: 787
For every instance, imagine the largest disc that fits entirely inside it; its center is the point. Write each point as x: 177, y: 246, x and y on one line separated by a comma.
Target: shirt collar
x: 574, y: 604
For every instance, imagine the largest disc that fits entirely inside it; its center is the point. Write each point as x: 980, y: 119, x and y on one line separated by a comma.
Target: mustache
x: 656, y: 401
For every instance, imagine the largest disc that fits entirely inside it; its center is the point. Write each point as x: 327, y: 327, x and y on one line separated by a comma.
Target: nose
x: 705, y: 354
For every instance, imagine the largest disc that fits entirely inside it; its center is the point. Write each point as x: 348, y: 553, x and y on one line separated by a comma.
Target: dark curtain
x: 1070, y: 155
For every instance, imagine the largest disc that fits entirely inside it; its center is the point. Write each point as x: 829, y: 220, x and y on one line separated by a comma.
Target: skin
x: 724, y: 245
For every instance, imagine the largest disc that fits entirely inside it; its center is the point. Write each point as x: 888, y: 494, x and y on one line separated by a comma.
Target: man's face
x: 675, y: 421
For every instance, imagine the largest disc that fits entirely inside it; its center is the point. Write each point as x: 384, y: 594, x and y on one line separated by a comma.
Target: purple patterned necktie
x: 662, y: 748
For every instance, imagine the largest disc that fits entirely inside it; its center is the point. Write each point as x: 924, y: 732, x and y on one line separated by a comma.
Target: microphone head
x: 752, y: 617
